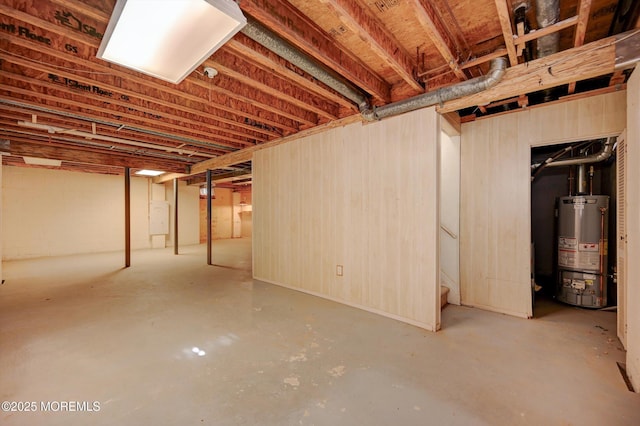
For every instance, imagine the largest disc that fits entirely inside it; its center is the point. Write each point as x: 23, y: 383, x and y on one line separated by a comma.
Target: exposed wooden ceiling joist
x: 374, y: 34
x: 438, y: 34
x: 303, y: 33
x: 581, y: 30
x: 507, y: 31
x: 48, y: 67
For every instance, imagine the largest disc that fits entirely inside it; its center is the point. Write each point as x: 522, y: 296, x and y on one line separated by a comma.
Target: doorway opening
x: 574, y: 193
x: 449, y: 241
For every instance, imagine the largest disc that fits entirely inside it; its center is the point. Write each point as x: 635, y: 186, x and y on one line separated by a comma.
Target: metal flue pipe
x: 466, y: 88
x: 547, y: 13
x: 603, y: 154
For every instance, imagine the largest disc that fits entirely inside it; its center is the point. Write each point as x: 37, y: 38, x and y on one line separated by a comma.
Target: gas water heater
x: 582, y: 250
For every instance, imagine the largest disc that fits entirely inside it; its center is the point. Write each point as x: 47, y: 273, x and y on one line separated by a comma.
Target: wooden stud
x: 507, y: 32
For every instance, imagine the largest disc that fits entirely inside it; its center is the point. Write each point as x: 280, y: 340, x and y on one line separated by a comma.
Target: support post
x: 127, y: 217
x: 209, y: 218
x: 175, y: 216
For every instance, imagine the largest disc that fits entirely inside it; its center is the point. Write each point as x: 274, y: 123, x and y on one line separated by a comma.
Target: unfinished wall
x: 495, y: 222
x: 364, y: 197
x: 221, y: 215
x: 53, y: 213
x: 188, y: 213
x: 633, y: 229
x: 246, y: 215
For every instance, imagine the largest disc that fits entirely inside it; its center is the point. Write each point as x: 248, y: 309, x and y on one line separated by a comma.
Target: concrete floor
x: 81, y: 328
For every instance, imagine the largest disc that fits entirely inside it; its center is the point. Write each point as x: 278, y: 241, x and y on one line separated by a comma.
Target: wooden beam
x: 437, y: 32
x: 167, y: 177
x: 588, y: 61
x: 536, y: 34
x: 507, y: 31
x: 581, y: 30
x: 82, y: 8
x: 377, y: 38
x: 281, y: 17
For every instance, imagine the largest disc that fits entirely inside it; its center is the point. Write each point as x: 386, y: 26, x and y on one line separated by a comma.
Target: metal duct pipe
x: 547, y: 13
x: 267, y: 38
x: 603, y: 154
x: 466, y: 88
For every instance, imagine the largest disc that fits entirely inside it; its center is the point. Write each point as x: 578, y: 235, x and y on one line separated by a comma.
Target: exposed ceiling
x: 57, y: 100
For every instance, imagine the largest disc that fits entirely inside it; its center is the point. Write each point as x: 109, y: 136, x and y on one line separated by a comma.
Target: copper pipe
x: 571, y: 178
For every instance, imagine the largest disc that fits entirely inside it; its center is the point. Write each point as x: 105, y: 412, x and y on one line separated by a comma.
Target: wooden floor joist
x: 591, y: 60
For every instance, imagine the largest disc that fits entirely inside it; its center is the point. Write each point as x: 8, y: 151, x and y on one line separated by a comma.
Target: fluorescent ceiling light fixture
x: 42, y: 161
x: 149, y: 172
x: 168, y: 39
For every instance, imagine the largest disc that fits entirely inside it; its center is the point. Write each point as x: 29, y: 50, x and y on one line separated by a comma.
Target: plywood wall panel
x: 633, y: 230
x: 360, y: 196
x: 495, y: 193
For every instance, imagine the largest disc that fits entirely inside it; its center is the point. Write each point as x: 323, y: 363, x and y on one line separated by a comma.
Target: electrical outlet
x: 339, y: 270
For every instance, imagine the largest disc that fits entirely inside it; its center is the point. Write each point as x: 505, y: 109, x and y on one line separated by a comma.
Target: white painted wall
x: 633, y: 229
x: 188, y: 213
x: 361, y: 196
x: 53, y: 213
x: 495, y: 221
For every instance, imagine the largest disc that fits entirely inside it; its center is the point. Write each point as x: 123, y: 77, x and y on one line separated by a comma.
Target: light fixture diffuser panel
x: 145, y: 172
x: 168, y: 39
